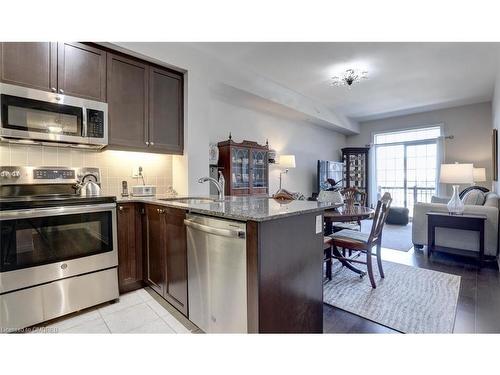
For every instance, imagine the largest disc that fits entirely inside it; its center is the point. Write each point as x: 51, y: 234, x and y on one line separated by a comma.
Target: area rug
x: 396, y: 237
x: 408, y: 299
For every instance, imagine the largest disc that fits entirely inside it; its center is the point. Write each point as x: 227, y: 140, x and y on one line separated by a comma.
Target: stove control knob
x: 5, y: 174
x: 16, y: 174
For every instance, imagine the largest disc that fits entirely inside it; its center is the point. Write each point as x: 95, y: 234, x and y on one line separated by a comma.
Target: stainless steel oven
x: 45, y: 244
x: 58, y: 250
x: 29, y: 115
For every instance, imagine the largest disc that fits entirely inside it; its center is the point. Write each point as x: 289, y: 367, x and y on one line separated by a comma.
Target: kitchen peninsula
x: 282, y: 247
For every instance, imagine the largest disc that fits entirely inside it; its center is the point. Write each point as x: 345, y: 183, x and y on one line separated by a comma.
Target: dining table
x: 342, y: 214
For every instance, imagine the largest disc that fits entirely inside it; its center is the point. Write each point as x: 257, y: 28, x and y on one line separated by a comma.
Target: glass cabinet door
x: 240, y: 178
x: 259, y: 169
x: 357, y: 170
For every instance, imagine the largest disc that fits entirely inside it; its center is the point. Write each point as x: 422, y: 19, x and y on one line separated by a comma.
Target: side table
x: 465, y: 222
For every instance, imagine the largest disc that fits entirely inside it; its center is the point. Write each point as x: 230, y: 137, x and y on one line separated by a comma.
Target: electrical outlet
x: 135, y: 172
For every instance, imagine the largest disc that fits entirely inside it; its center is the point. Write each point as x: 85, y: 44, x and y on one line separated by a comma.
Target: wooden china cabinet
x: 245, y: 167
x: 356, y: 165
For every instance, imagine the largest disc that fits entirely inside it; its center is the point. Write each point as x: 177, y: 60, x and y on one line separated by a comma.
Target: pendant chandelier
x: 349, y: 78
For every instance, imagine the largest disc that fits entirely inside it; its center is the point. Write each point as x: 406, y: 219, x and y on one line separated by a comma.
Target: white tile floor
x: 135, y: 312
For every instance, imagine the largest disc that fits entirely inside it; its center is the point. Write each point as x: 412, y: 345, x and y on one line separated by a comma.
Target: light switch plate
x: 319, y: 224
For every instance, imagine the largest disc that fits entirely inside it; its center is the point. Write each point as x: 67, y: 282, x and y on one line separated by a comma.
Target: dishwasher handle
x: 217, y: 231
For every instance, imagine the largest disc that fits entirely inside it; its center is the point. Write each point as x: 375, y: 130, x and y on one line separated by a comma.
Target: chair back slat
x: 380, y: 216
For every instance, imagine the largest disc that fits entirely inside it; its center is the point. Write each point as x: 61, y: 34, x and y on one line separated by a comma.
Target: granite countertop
x: 237, y: 208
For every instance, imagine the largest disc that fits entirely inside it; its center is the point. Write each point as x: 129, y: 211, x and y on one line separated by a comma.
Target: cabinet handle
x: 53, y: 89
x: 152, y: 143
x: 147, y: 143
x: 61, y: 91
x: 120, y: 208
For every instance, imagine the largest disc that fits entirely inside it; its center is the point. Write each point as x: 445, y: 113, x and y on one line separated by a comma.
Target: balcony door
x: 406, y: 166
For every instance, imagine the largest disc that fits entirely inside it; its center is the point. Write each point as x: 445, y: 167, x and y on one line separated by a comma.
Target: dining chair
x: 363, y: 242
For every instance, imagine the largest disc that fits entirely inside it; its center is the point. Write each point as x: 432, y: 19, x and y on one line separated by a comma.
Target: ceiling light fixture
x: 349, y: 78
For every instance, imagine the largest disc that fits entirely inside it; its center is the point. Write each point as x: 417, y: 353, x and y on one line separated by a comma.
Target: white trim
x: 374, y: 133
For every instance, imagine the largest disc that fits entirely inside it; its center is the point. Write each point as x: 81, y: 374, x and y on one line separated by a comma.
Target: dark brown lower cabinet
x: 176, y: 259
x: 285, y: 275
x: 155, y: 258
x: 129, y: 225
x: 166, y: 254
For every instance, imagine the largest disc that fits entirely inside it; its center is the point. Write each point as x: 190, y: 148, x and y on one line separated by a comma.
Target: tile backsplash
x: 116, y: 166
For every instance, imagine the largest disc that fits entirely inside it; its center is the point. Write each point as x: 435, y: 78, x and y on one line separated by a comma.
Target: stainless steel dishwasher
x: 217, y: 275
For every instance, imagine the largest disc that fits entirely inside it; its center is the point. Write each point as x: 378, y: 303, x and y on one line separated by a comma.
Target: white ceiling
x: 403, y: 77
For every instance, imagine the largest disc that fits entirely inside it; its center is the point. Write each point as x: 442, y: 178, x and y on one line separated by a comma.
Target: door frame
x: 405, y: 161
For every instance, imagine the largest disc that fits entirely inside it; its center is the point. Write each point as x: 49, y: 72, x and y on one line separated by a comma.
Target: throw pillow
x: 474, y: 197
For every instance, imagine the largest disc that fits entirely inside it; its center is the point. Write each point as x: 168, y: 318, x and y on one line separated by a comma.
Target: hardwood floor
x: 478, y: 301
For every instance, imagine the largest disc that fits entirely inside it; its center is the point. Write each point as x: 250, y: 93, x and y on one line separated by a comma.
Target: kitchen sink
x: 191, y: 200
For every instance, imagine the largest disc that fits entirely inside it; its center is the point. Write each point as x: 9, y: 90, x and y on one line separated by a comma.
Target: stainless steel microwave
x: 29, y: 115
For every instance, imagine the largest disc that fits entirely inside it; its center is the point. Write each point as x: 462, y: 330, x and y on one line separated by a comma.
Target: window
x: 408, y: 135
x: 406, y: 165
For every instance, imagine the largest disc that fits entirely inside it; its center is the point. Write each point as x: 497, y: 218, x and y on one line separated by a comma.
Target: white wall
x: 469, y: 124
x: 260, y: 111
x: 308, y: 143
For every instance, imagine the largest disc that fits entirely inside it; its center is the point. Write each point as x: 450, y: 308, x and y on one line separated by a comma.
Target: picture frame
x: 494, y: 143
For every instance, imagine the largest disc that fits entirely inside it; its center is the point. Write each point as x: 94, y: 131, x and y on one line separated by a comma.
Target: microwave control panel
x: 95, y: 123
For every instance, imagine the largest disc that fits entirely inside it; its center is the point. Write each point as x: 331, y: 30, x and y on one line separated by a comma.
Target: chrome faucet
x: 221, y: 184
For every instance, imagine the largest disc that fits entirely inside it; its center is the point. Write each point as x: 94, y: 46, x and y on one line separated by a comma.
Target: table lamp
x: 479, y: 174
x: 285, y: 162
x: 456, y: 174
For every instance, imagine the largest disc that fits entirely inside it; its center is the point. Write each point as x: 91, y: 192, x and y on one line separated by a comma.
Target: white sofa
x: 456, y: 238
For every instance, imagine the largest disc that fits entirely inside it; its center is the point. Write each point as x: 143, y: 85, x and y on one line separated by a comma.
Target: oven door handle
x: 55, y: 211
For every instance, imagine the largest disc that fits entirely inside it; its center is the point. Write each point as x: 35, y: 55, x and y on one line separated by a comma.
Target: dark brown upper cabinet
x: 29, y: 64
x: 166, y: 131
x: 81, y: 71
x: 127, y: 85
x: 67, y: 68
x: 145, y: 106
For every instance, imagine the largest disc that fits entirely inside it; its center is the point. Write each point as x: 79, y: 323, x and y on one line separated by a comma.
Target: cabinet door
x: 240, y: 171
x: 129, y: 247
x: 127, y: 93
x: 176, y: 260
x: 29, y: 64
x: 259, y: 171
x: 166, y: 128
x: 155, y: 260
x: 81, y: 71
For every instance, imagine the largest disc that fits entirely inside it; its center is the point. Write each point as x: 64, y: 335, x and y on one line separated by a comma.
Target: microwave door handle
x: 84, y: 122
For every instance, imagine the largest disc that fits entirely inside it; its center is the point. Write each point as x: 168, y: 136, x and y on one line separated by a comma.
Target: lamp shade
x: 456, y: 174
x: 479, y: 174
x: 287, y: 161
